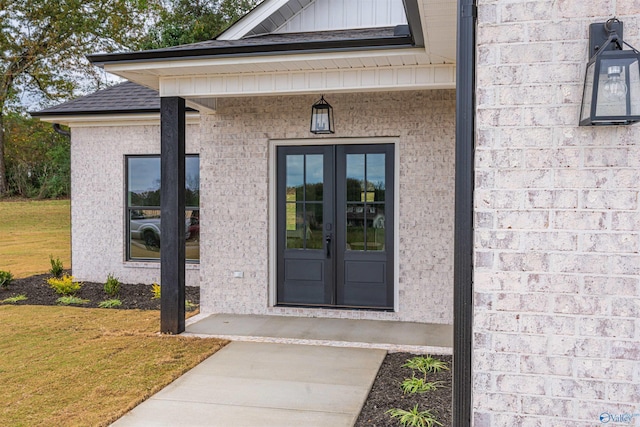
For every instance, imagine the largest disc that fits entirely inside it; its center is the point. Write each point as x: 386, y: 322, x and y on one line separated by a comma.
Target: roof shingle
x: 127, y: 97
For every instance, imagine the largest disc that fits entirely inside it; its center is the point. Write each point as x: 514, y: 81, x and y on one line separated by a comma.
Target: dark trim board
x: 463, y: 244
x: 172, y: 204
x: 254, y: 49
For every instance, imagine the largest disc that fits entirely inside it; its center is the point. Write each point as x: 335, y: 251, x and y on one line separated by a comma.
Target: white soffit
x: 128, y: 119
x: 439, y: 26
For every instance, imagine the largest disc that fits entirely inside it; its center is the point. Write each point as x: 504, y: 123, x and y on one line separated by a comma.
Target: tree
x: 37, y: 158
x: 43, y: 43
x: 190, y: 21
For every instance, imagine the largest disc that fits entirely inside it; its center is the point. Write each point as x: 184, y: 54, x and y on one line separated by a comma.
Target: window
x: 143, y: 208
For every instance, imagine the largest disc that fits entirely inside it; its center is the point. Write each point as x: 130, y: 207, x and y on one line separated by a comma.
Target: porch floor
x: 392, y: 336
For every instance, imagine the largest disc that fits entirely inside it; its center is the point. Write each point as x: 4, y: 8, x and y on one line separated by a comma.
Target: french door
x: 335, y: 219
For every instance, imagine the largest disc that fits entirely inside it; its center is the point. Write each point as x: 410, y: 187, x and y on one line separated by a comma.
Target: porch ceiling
x: 428, y: 64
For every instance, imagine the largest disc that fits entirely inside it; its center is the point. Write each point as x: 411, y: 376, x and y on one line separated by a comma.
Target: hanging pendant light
x: 322, y: 117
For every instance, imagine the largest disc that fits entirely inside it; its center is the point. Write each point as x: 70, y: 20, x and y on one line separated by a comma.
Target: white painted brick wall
x: 235, y: 196
x: 98, y: 197
x: 557, y: 217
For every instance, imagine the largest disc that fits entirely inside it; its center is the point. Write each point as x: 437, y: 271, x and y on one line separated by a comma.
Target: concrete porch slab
x: 385, y: 335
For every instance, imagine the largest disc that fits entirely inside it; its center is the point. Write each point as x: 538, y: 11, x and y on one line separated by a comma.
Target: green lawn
x: 30, y: 231
x: 67, y: 366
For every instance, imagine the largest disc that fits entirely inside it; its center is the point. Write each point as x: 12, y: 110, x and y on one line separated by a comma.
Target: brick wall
x: 557, y: 217
x: 98, y: 197
x: 235, y: 196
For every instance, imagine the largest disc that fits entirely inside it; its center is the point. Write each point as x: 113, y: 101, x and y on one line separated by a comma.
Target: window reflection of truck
x: 147, y: 229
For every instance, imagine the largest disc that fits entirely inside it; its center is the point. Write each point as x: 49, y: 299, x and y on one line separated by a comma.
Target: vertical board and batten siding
x: 557, y: 226
x: 235, y: 186
x: 345, y: 14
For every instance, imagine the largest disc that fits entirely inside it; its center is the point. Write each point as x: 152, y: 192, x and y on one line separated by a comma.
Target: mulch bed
x: 133, y: 296
x: 385, y: 393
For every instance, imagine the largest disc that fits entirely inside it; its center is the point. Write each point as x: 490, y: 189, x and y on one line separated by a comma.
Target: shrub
x: 5, y: 279
x: 112, y: 286
x: 110, y: 303
x: 189, y: 306
x: 418, y: 385
x: 426, y: 364
x: 156, y: 289
x: 71, y: 300
x: 56, y: 266
x: 64, y: 285
x: 414, y: 417
x: 13, y: 300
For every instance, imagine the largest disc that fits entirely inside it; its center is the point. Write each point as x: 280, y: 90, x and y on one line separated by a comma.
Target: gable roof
x: 277, y: 62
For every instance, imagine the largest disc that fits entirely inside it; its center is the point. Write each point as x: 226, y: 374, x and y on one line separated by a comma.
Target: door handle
x: 328, y: 242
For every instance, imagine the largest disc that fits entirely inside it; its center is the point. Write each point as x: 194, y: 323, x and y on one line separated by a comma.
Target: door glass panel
x: 355, y: 178
x: 355, y: 226
x: 375, y: 228
x: 304, y: 207
x: 295, y: 172
x: 376, y: 180
x: 314, y: 177
x: 366, y: 183
x: 315, y: 222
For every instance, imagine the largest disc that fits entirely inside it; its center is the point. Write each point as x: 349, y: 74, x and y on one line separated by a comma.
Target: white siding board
x: 344, y: 80
x: 323, y: 15
x: 201, y: 84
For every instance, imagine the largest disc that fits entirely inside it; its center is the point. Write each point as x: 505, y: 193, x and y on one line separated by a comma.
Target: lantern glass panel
x: 634, y: 87
x: 612, y: 88
x: 588, y: 91
x: 321, y: 122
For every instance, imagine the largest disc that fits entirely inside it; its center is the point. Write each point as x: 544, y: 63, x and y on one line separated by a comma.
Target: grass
x: 30, y: 231
x: 74, y: 366
x: 68, y: 366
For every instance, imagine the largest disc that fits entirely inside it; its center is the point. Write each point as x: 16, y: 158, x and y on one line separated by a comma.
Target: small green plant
x: 112, y: 286
x: 5, y: 279
x: 156, y: 289
x: 414, y: 417
x: 426, y: 364
x: 56, y: 266
x: 418, y: 385
x: 189, y: 306
x: 15, y: 299
x: 110, y: 303
x: 64, y: 285
x: 71, y: 300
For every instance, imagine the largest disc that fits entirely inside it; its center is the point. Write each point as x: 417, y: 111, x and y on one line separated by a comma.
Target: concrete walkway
x: 266, y: 384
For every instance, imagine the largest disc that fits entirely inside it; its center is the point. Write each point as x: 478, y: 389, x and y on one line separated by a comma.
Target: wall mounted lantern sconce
x: 322, y: 117
x: 612, y: 84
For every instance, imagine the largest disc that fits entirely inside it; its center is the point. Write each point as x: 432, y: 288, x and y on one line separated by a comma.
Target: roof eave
x: 266, y: 49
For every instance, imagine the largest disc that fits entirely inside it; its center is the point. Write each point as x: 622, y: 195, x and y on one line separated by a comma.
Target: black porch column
x: 172, y: 200
x: 463, y: 241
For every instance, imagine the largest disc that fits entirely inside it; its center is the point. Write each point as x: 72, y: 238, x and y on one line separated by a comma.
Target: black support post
x: 172, y: 200
x: 463, y: 246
